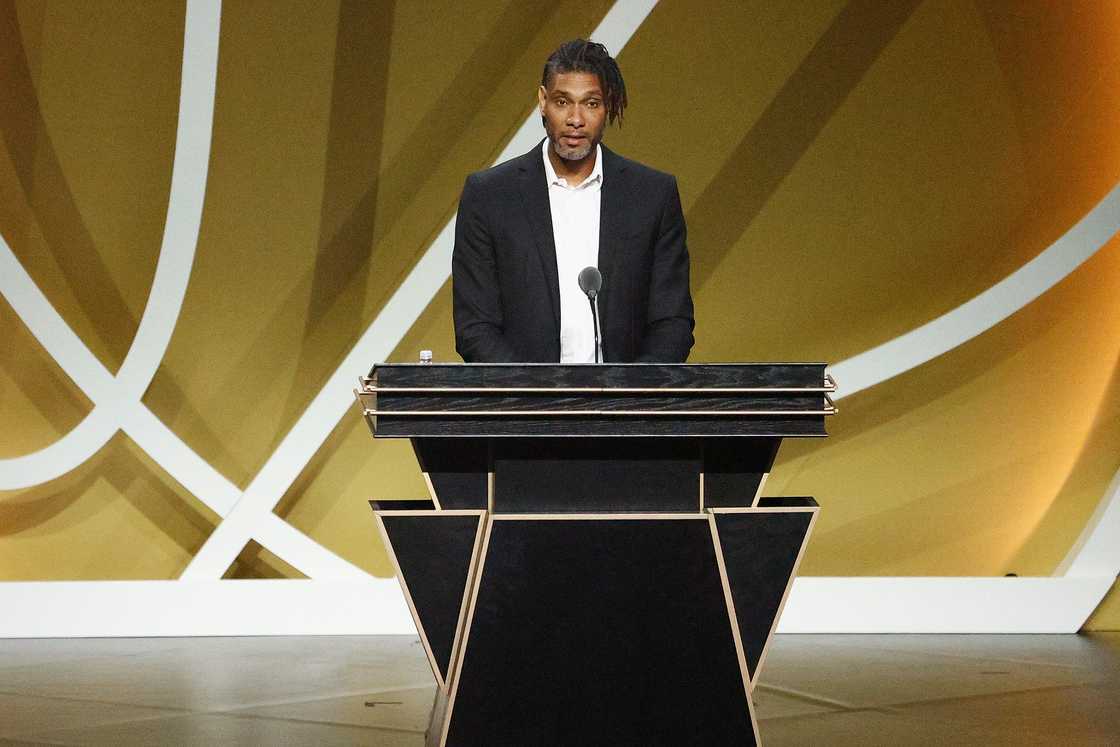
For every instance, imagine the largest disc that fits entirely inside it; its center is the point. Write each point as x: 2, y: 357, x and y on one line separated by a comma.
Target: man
x: 527, y: 227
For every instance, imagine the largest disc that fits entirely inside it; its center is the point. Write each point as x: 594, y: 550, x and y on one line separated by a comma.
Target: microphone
x: 591, y: 282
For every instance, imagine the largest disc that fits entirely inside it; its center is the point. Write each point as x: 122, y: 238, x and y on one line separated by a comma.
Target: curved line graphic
x: 385, y: 332
x: 56, y: 337
x: 117, y: 400
x: 249, y: 512
x: 50, y: 329
x: 113, y: 395
x: 68, y: 453
x: 1097, y: 551
x: 432, y: 271
x: 988, y: 308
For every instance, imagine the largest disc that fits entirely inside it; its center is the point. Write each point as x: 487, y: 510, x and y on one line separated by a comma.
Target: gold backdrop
x: 849, y: 171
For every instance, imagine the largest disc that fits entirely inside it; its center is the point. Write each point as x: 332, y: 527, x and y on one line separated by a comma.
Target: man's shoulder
x: 636, y: 169
x: 505, y: 171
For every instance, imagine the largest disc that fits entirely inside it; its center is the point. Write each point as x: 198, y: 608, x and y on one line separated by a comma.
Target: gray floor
x: 835, y: 690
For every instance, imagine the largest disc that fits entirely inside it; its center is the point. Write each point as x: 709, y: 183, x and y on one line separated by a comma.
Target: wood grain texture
x: 705, y: 375
x: 709, y: 413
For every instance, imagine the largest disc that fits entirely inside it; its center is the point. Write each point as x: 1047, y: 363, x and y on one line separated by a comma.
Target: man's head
x: 581, y: 90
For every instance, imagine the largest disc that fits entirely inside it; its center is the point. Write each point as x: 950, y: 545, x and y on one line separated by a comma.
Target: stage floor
x: 835, y: 690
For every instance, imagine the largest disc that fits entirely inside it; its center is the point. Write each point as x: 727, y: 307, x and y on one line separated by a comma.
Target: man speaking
x: 527, y: 228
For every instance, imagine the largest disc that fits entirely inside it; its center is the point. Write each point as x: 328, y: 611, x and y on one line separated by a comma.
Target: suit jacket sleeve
x: 477, y: 304
x: 668, y: 333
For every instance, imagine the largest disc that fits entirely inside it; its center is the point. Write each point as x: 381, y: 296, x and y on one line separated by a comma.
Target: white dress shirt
x: 575, y: 229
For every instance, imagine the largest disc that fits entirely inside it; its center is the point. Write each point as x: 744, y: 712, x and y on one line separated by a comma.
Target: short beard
x: 573, y: 154
x: 568, y: 154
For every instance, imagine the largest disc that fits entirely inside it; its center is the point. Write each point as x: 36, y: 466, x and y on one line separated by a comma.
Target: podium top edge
x: 602, y: 365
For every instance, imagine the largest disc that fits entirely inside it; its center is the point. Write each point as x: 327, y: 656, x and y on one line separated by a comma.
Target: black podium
x: 595, y: 564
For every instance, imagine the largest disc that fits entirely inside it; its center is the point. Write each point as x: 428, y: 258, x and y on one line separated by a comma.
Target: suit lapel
x: 612, y: 213
x: 534, y: 194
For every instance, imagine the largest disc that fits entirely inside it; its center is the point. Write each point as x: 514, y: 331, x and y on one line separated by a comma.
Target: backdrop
x: 850, y: 172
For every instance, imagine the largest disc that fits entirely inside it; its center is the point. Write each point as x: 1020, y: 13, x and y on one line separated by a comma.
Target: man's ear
x: 542, y: 95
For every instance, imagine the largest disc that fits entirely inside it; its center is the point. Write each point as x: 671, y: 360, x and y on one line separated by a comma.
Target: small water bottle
x: 425, y: 357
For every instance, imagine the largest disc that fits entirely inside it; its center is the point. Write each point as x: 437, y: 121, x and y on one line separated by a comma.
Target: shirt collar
x: 551, y: 176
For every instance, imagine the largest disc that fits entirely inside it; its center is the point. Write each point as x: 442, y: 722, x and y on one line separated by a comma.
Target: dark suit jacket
x: 506, y: 293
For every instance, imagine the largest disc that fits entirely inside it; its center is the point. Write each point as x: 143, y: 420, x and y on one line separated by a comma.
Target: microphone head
x: 590, y: 281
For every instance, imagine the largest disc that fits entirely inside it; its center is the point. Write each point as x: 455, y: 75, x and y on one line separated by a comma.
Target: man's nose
x: 575, y: 117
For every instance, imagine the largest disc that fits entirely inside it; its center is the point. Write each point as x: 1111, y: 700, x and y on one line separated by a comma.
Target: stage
x: 218, y: 218
x: 815, y: 689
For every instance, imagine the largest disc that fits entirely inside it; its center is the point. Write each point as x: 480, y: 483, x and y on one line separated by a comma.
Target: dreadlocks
x: 582, y: 56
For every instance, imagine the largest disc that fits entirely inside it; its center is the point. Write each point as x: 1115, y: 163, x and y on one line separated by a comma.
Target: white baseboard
x: 909, y: 604
x: 64, y: 609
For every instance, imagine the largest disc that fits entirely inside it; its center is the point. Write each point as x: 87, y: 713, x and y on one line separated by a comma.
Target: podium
x: 595, y: 563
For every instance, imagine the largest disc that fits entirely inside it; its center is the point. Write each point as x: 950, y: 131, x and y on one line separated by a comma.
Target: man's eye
x: 593, y: 104
x: 561, y: 102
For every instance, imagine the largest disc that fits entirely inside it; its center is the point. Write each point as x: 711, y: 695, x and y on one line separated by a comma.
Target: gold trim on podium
x: 471, y: 568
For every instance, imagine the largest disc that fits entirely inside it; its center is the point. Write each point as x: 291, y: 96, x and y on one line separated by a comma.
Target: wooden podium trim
x: 457, y: 668
x: 432, y: 491
x: 733, y: 619
x: 478, y: 567
x: 642, y: 515
x: 457, y: 641
x: 815, y: 511
x: 368, y: 389
x: 758, y: 492
x: 593, y: 413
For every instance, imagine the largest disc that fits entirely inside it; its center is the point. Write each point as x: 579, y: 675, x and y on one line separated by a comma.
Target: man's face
x: 574, y: 116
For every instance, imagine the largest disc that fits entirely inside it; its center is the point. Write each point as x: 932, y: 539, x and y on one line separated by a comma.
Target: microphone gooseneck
x: 591, y: 282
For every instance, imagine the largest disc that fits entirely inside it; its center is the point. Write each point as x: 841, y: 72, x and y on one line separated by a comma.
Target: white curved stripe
x: 189, y: 171
x: 66, y: 454
x: 985, y: 310
x: 1097, y: 551
x: 117, y: 401
x: 75, y: 359
x: 179, y: 461
x: 188, y: 190
x: 302, y: 552
x: 112, y: 397
x: 270, y: 530
x: 50, y: 329
x: 879, y: 609
x: 398, y: 315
